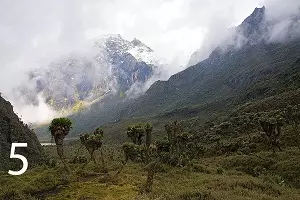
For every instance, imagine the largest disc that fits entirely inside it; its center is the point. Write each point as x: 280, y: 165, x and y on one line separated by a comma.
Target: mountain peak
x: 111, y: 41
x: 262, y: 9
x: 110, y: 36
x: 249, y: 31
x: 137, y: 43
x: 256, y: 17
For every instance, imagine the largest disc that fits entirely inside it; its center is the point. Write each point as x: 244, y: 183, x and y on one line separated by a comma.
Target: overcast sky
x: 34, y: 32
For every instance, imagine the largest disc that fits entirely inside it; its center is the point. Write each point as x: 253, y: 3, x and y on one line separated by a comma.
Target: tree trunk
x: 93, y: 156
x: 102, y: 157
x: 149, y: 182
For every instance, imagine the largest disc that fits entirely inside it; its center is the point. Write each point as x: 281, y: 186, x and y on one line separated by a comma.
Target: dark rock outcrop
x: 12, y: 130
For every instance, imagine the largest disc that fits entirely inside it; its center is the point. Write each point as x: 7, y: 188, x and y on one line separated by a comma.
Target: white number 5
x: 18, y: 156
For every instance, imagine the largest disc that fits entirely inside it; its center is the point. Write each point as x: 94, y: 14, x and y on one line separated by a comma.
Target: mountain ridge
x: 256, y: 28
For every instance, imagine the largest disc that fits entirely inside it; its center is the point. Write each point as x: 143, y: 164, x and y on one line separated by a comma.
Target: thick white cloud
x: 279, y: 9
x: 34, y: 32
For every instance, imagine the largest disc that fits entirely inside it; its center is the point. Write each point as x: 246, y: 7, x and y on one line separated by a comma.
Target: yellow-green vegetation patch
x: 79, y: 106
x: 177, y: 184
x: 96, y: 190
x: 34, y: 182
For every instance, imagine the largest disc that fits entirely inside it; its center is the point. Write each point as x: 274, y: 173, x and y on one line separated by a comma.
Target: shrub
x: 162, y: 146
x: 133, y: 152
x: 92, y: 142
x: 289, y: 170
x: 200, y: 169
x: 136, y: 133
x: 249, y: 164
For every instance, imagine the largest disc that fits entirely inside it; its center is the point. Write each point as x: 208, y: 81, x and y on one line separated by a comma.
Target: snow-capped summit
x: 138, y: 43
x: 111, y: 67
x: 114, y: 43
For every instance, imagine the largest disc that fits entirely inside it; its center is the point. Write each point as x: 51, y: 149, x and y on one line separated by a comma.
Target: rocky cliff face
x: 12, y: 130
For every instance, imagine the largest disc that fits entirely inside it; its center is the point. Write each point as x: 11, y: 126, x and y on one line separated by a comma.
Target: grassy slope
x: 210, y: 177
x: 258, y: 175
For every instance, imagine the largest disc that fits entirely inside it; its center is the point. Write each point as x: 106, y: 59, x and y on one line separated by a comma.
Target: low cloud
x: 35, y: 114
x: 281, y: 22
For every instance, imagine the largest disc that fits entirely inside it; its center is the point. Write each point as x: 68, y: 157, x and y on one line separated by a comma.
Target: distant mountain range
x: 256, y: 65
x: 111, y: 66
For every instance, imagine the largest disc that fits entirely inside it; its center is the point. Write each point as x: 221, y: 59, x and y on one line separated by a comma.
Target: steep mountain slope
x: 248, y: 66
x: 235, y: 74
x: 12, y: 130
x: 223, y: 80
x: 258, y: 27
x: 112, y: 66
